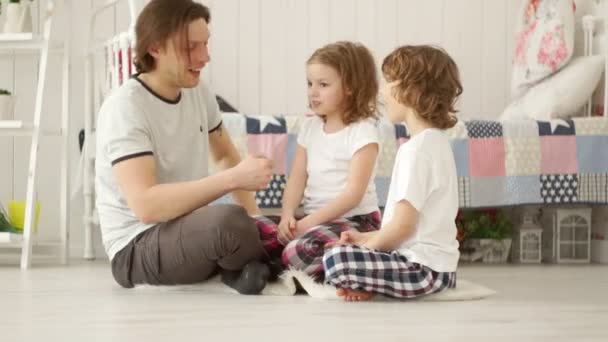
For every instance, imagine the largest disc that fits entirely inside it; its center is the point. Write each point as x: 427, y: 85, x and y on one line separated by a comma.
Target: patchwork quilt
x: 498, y: 163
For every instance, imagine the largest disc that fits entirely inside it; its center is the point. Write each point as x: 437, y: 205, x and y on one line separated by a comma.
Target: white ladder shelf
x: 40, y: 44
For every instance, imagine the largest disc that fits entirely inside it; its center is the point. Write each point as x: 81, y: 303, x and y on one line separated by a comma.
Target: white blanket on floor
x: 286, y: 286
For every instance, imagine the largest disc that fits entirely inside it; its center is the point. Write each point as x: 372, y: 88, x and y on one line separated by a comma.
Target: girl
x: 416, y: 251
x: 333, y: 169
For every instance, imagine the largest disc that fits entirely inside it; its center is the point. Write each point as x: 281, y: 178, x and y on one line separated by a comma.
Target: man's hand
x: 253, y: 173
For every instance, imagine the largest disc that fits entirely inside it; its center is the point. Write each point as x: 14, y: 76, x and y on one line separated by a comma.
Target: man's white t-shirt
x: 135, y: 121
x: 424, y: 174
x: 328, y: 162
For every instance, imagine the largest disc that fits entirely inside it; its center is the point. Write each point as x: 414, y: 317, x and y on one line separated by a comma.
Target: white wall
x: 259, y: 48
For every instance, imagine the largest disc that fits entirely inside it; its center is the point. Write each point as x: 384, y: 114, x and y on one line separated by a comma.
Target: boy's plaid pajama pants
x: 390, y: 274
x: 305, y: 253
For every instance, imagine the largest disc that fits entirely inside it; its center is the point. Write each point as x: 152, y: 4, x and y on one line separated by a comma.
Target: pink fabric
x: 558, y: 154
x: 120, y: 76
x: 272, y: 146
x: 480, y: 165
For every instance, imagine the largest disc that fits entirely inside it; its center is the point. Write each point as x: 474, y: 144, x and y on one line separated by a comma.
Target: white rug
x: 286, y: 286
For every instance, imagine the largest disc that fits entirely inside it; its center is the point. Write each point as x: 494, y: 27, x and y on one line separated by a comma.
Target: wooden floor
x: 81, y: 301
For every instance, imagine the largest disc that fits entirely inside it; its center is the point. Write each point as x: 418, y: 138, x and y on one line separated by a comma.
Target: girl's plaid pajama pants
x: 305, y: 253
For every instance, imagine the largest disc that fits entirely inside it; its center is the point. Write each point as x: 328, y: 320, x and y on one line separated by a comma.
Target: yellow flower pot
x: 16, y: 215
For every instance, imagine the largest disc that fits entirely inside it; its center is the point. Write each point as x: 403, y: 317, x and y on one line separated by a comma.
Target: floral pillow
x: 544, y: 42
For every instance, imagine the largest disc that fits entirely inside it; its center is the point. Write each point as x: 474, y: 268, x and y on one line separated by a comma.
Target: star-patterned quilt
x: 498, y: 163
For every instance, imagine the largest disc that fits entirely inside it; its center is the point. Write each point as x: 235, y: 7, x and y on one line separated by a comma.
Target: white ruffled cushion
x: 561, y: 95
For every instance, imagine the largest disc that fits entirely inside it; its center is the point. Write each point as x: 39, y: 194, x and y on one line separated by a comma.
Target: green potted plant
x: 5, y: 225
x: 7, y: 105
x: 487, y: 236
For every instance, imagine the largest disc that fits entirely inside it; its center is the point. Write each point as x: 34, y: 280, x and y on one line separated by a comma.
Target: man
x: 154, y: 137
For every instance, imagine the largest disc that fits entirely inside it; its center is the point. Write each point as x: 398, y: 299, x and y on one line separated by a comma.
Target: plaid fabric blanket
x: 498, y: 163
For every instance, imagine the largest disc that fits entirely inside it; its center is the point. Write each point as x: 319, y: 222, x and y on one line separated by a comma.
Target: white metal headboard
x: 108, y: 63
x: 591, y: 25
x: 117, y: 51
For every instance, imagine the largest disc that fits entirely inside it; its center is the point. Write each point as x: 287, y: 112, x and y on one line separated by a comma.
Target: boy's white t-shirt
x: 134, y: 121
x: 424, y: 174
x: 328, y: 162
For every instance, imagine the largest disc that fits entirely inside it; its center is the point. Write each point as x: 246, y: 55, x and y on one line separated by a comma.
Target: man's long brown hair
x: 161, y: 20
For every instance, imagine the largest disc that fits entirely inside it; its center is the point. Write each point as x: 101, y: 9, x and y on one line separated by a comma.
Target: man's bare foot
x: 354, y: 296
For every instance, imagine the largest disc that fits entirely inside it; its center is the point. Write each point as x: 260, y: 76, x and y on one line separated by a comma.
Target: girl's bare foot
x: 353, y: 296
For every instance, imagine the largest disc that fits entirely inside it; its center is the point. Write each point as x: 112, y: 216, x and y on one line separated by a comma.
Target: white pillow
x: 562, y: 94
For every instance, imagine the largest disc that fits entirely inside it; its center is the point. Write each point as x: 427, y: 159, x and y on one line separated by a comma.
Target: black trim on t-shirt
x: 131, y: 156
x: 216, y: 127
x: 176, y: 101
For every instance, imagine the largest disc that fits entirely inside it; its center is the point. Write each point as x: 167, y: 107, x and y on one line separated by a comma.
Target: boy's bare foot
x: 354, y: 296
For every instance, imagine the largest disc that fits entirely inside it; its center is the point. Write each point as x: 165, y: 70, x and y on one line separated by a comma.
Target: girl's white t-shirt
x: 328, y: 161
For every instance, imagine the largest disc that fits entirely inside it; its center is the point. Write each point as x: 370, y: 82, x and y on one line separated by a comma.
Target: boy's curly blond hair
x: 428, y: 81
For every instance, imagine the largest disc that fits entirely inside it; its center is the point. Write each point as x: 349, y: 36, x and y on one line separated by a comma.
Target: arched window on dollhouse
x: 527, y: 246
x: 570, y: 237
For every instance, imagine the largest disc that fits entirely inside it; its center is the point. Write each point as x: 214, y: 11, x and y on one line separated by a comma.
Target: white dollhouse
x: 567, y: 236
x: 527, y: 245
